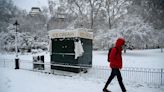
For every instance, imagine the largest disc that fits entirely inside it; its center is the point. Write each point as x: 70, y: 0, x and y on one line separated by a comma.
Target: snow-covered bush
x: 25, y: 42
x: 136, y: 32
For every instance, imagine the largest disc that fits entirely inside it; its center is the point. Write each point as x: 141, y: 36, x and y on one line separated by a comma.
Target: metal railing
x: 150, y: 76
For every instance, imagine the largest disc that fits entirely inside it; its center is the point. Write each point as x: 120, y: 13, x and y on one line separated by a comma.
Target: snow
x: 134, y: 58
x: 145, y: 59
x: 29, y: 81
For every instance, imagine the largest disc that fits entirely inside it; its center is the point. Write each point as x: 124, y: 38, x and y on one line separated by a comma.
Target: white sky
x: 27, y: 4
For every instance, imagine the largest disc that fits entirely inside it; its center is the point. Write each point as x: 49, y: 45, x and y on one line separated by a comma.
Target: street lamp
x: 16, y: 47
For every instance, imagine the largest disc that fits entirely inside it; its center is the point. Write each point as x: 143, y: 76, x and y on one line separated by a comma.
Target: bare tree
x: 7, y: 11
x: 95, y: 6
x: 77, y: 7
x: 114, y: 9
x: 107, y: 7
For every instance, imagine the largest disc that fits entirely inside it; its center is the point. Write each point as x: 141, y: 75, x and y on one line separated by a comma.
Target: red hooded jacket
x: 116, y: 54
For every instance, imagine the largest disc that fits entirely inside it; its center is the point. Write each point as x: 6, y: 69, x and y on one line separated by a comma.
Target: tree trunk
x: 109, y: 23
x: 91, y: 19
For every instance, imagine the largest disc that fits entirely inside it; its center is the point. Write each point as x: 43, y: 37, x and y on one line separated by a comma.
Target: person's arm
x: 112, y: 55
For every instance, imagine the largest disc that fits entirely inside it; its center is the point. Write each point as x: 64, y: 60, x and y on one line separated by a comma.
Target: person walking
x: 116, y: 64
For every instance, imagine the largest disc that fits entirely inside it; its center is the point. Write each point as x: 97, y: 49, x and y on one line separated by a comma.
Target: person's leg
x: 109, y: 79
x: 119, y: 77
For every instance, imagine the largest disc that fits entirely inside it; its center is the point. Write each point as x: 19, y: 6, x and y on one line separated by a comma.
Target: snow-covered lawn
x: 134, y: 58
x: 28, y: 81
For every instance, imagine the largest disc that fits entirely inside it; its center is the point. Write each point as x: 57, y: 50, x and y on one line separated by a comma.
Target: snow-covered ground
x: 28, y: 81
x: 134, y: 58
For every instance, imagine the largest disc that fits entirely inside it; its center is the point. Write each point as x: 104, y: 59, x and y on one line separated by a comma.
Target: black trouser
x: 115, y: 72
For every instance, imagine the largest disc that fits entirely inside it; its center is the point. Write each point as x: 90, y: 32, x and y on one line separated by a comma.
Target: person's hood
x: 120, y: 42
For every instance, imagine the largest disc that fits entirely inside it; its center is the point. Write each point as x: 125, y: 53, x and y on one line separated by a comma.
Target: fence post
x: 161, y: 76
x: 4, y: 63
x: 80, y: 70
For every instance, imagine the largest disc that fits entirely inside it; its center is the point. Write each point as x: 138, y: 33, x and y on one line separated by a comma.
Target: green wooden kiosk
x: 71, y: 49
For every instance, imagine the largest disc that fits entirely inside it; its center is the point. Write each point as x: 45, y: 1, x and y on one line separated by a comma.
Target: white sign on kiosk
x: 68, y: 33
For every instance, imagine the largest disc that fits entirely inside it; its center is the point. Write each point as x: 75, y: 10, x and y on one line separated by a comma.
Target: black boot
x: 106, y: 90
